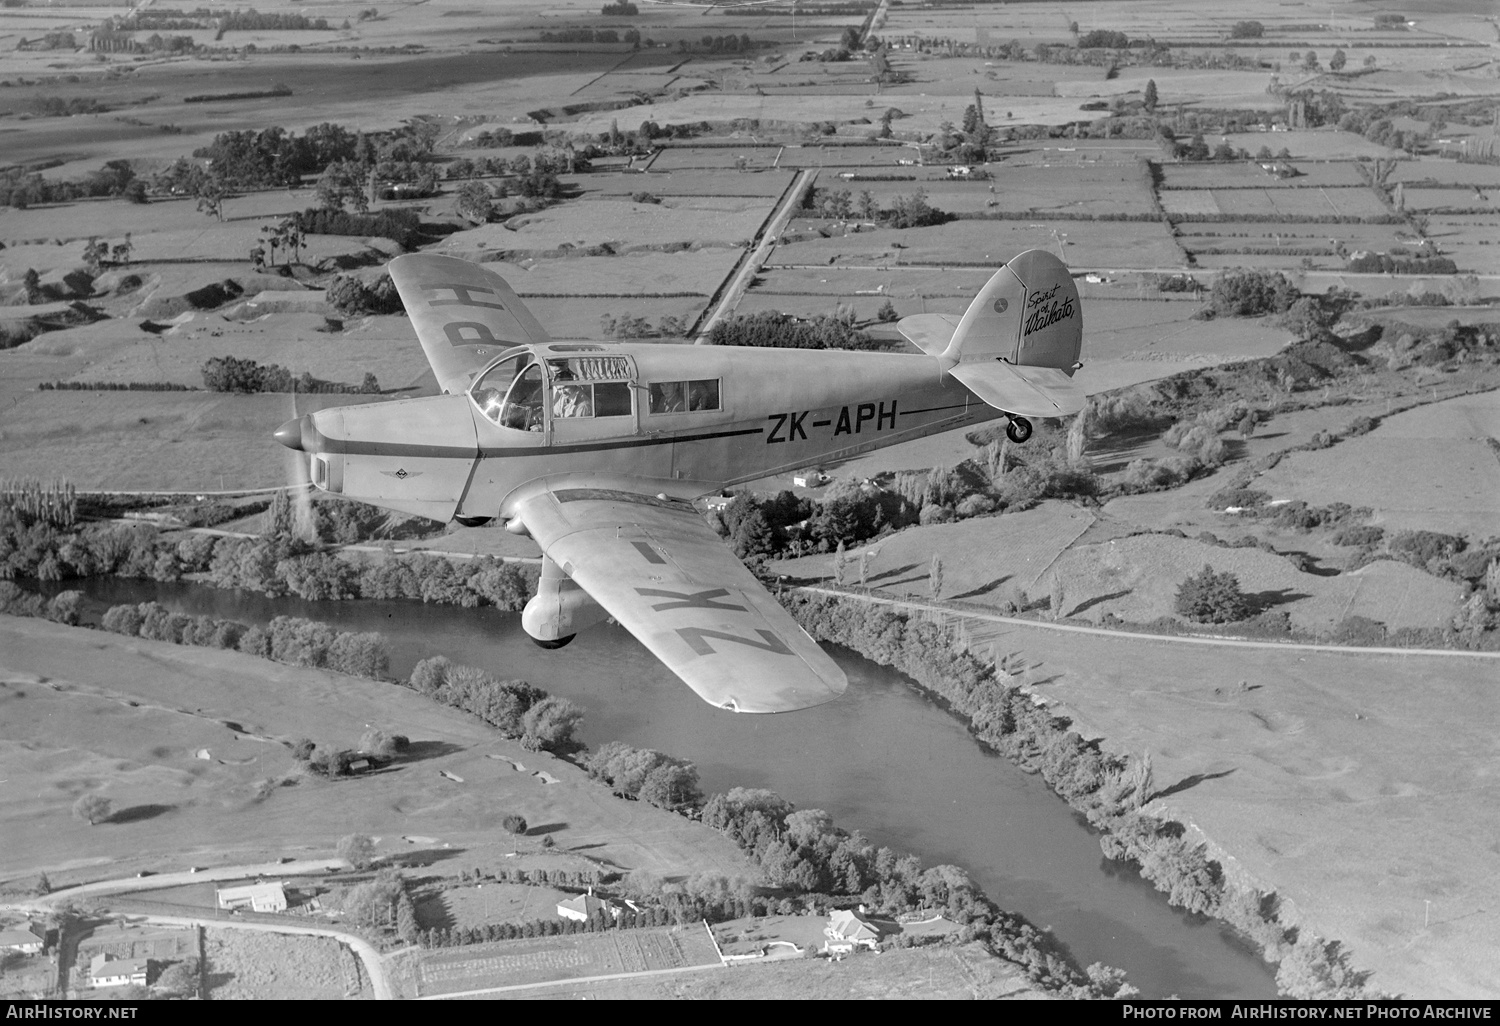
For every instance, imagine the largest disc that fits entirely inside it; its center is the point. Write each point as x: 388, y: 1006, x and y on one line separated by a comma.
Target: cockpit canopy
x: 523, y: 386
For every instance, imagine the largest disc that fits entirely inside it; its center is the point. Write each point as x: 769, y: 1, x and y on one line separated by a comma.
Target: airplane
x: 596, y: 450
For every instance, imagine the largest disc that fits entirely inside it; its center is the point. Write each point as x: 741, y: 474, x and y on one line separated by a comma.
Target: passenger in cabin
x: 667, y: 398
x: 704, y: 396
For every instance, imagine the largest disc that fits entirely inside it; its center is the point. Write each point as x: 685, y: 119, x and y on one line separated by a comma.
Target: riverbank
x: 1307, y: 775
x: 87, y: 709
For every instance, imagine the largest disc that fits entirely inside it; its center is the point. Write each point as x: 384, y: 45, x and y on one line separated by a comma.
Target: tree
x: 474, y: 202
x: 1247, y: 30
x: 341, y: 182
x: 1247, y: 292
x: 551, y: 723
x: 1150, y: 99
x: 180, y: 979
x: 887, y: 312
x: 514, y: 823
x: 92, y: 808
x: 94, y: 253
x: 302, y: 749
x: 1142, y: 780
x: 1338, y: 60
x: 1209, y: 597
x: 935, y: 577
x: 357, y: 849
x: 32, y: 282
x: 211, y: 195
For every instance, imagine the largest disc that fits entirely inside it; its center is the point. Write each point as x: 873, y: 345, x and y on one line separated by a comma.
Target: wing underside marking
x: 659, y: 570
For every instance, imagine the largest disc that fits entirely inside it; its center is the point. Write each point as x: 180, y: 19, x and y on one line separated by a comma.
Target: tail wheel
x: 1018, y: 430
x: 554, y: 643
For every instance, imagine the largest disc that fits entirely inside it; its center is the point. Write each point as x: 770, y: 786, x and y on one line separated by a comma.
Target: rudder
x: 1028, y: 314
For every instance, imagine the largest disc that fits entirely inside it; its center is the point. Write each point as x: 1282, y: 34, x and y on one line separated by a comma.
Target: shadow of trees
x: 137, y: 813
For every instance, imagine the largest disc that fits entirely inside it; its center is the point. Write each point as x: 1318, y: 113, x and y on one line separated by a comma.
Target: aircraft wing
x: 1024, y: 391
x: 464, y: 315
x: 655, y: 565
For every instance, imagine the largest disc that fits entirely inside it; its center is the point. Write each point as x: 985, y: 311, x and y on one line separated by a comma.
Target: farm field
x: 1197, y: 236
x: 1247, y: 174
x: 640, y: 273
x: 1392, y: 469
x: 508, y: 963
x: 934, y: 973
x: 1454, y: 201
x: 766, y: 185
x: 1445, y: 172
x: 1089, y: 244
x: 487, y: 903
x: 1338, y: 813
x: 1136, y: 579
x: 126, y: 716
x: 1290, y: 203
x: 984, y: 559
x: 245, y: 965
x: 1473, y: 241
x: 620, y: 222
x: 1313, y: 145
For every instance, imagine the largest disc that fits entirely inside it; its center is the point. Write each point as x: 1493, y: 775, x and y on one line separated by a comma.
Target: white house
x: 28, y: 940
x: 847, y: 930
x: 260, y: 897
x: 107, y: 971
x: 583, y: 907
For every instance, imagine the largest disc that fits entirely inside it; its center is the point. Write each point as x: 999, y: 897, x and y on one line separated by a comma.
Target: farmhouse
x: 261, y: 897
x: 847, y: 930
x: 583, y: 907
x: 28, y: 940
x: 108, y: 971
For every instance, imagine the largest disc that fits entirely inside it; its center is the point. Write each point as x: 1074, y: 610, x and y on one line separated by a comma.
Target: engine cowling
x: 560, y: 608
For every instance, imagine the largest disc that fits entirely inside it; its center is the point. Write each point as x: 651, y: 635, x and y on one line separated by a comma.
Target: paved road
x: 1281, y: 646
x: 159, y: 880
x: 753, y: 261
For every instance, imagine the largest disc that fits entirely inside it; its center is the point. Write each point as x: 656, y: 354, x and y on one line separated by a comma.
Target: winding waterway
x: 884, y: 759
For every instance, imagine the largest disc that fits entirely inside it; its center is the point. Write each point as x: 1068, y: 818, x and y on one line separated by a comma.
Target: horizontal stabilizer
x: 1023, y: 391
x: 929, y: 332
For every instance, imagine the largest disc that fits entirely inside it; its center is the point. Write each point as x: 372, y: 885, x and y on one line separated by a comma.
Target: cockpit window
x: 523, y: 405
x: 488, y: 393
x: 510, y: 393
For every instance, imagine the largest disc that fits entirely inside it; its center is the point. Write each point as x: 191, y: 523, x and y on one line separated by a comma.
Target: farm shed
x: 261, y: 897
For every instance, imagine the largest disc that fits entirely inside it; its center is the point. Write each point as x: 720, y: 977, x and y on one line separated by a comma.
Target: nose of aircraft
x: 291, y: 433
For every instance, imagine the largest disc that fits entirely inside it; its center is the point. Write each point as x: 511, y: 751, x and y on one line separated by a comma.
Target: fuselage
x: 683, y: 420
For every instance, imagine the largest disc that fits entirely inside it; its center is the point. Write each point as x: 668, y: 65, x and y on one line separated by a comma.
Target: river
x: 884, y: 759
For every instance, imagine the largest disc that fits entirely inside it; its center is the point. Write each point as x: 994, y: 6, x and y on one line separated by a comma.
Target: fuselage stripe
x: 352, y: 447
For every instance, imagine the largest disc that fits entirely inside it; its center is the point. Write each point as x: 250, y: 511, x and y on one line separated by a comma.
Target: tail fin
x: 1028, y: 315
